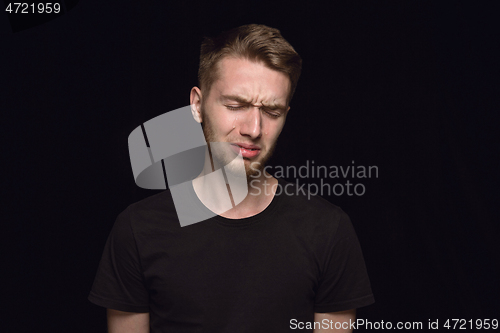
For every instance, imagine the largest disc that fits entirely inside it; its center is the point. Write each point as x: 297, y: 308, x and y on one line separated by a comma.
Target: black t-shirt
x: 255, y: 274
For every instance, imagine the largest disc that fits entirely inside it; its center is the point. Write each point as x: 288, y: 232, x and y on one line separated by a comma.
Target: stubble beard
x: 252, y: 169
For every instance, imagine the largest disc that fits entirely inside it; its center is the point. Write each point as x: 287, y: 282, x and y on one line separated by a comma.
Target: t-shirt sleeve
x: 119, y: 282
x: 344, y: 282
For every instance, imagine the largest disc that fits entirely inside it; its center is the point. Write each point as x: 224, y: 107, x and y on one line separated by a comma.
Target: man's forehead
x: 236, y: 80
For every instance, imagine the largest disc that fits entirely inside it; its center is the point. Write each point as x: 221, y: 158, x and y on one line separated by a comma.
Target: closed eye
x: 234, y: 108
x: 270, y: 113
x: 273, y: 114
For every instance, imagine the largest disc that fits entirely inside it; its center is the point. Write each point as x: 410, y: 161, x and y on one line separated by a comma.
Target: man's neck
x: 261, y: 192
x: 214, y: 191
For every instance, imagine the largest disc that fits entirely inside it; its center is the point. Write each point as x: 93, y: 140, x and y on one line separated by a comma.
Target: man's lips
x: 246, y: 145
x: 247, y: 150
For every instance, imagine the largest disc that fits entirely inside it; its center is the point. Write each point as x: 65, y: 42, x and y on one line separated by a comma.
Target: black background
x: 409, y: 86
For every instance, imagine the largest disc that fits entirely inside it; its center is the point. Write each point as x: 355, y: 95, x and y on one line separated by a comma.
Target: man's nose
x: 251, y: 123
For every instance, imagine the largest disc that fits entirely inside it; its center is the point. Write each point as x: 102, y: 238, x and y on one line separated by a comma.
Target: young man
x: 272, y: 263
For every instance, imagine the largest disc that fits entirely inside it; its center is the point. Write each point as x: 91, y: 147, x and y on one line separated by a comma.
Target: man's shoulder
x: 298, y: 196
x: 157, y: 209
x: 313, y: 209
x: 159, y: 201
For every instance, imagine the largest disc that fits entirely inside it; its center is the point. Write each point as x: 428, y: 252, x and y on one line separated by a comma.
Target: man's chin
x: 251, y: 175
x: 253, y: 169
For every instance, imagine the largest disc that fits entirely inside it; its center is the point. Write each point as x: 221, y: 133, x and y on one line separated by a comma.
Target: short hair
x: 254, y: 42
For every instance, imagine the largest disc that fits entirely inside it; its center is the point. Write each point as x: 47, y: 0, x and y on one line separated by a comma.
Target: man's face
x: 246, y: 107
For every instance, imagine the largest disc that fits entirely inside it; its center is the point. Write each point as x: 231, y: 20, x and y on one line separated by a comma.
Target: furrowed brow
x: 274, y: 106
x: 242, y: 100
x: 235, y: 98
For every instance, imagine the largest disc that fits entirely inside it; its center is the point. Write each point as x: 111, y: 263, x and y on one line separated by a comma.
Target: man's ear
x: 195, y: 99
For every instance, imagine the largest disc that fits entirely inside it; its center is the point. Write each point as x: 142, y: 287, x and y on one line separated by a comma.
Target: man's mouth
x: 246, y: 150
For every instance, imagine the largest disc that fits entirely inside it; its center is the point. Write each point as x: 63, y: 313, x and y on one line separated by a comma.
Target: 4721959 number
x: 463, y: 324
x: 33, y: 8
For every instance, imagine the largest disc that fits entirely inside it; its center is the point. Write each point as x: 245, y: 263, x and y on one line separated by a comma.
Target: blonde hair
x: 254, y: 42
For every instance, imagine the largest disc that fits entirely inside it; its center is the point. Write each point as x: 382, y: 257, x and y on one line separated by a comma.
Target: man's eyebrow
x: 235, y: 98
x: 275, y: 106
x: 240, y: 99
